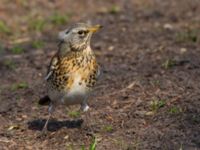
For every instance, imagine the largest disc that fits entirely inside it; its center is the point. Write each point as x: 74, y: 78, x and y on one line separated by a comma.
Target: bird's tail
x: 44, y: 100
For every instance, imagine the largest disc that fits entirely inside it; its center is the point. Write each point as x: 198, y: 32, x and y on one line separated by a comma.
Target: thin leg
x: 85, y: 109
x: 50, y: 110
x: 88, y: 122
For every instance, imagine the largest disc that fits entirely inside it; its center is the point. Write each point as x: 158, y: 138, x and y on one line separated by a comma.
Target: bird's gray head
x: 77, y: 37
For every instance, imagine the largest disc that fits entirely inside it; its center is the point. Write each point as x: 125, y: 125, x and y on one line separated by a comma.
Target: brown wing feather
x: 53, y: 65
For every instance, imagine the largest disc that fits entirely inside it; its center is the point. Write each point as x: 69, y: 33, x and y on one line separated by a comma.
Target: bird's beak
x: 94, y: 28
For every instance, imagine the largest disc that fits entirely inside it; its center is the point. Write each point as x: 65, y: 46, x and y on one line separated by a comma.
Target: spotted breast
x: 71, y: 79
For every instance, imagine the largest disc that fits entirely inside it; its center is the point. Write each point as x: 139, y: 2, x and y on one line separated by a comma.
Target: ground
x: 148, y: 96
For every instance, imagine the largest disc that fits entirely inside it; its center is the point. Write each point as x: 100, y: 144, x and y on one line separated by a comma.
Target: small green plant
x: 190, y: 35
x: 175, y: 110
x: 69, y: 146
x: 17, y: 49
x: 4, y: 28
x: 169, y: 63
x: 115, y: 9
x: 93, y: 144
x: 157, y: 104
x: 83, y: 147
x: 108, y: 128
x: 23, y: 3
x: 195, y: 119
x: 1, y: 48
x: 181, y: 147
x: 21, y: 85
x: 37, y: 24
x: 74, y: 114
x: 37, y: 44
x: 10, y: 64
x: 59, y: 19
x: 155, y: 82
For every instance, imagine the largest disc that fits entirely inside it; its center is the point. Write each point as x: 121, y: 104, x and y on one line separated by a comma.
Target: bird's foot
x: 43, y: 133
x: 84, y: 108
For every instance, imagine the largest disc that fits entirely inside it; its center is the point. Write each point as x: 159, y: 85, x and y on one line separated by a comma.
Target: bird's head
x: 78, y: 36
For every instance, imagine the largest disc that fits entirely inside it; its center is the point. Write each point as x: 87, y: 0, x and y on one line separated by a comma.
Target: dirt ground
x: 148, y: 96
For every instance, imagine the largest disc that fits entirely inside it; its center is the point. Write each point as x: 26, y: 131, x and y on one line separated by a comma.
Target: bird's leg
x: 85, y: 109
x: 50, y: 111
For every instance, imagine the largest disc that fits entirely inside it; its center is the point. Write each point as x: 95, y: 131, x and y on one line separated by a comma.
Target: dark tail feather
x: 44, y: 100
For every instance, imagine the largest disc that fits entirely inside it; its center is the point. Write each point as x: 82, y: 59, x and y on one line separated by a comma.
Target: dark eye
x: 81, y: 32
x: 67, y: 32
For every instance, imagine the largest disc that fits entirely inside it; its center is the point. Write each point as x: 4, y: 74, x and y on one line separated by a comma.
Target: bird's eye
x: 80, y: 32
x: 67, y: 32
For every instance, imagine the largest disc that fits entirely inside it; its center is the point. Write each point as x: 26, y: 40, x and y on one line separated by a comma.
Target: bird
x: 73, y: 70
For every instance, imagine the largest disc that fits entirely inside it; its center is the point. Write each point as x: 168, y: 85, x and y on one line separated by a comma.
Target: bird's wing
x: 98, y: 72
x: 52, y: 67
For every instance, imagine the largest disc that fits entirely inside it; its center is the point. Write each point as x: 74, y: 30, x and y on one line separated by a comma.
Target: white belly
x: 75, y: 95
x: 78, y: 87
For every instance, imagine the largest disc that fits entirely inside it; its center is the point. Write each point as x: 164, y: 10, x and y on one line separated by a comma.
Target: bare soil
x: 148, y: 96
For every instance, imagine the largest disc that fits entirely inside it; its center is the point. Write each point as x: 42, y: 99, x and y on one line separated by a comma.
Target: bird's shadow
x: 54, y: 125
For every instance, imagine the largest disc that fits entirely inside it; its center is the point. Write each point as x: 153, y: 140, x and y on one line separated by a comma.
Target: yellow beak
x: 95, y: 28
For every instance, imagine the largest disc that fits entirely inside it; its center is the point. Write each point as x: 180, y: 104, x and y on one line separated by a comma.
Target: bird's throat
x: 66, y: 49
